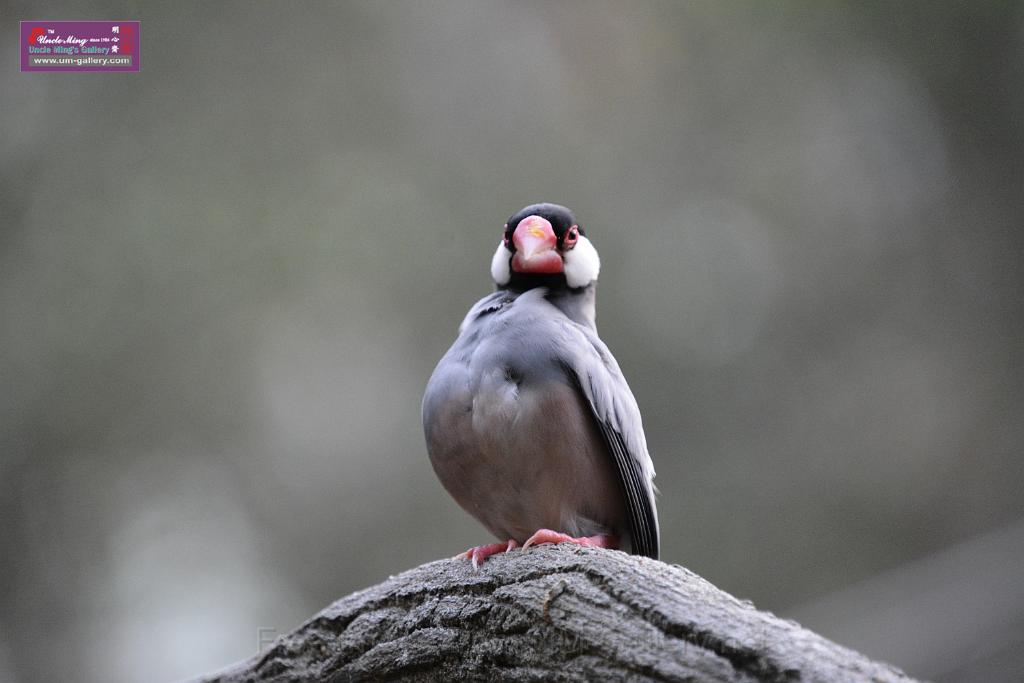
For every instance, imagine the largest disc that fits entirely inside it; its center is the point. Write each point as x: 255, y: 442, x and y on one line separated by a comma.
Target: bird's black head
x: 544, y: 245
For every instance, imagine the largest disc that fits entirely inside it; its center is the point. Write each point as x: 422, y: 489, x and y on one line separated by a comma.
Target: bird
x: 529, y: 422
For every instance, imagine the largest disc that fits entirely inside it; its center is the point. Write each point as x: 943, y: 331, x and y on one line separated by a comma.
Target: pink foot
x: 482, y: 552
x: 549, y: 536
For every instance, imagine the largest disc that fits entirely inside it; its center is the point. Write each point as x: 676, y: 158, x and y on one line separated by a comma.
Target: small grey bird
x: 529, y: 423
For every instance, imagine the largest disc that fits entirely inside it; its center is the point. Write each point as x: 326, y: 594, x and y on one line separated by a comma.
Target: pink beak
x: 535, y: 242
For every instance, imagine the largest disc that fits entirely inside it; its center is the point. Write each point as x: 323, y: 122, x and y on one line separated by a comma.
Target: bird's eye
x: 569, y: 241
x: 504, y: 236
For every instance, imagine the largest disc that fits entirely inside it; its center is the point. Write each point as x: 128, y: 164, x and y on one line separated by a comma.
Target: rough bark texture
x: 552, y: 613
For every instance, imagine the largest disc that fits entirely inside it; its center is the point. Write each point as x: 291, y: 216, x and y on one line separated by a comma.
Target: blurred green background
x: 225, y: 280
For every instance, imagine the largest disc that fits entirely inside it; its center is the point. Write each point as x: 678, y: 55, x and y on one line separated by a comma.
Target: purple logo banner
x: 80, y: 46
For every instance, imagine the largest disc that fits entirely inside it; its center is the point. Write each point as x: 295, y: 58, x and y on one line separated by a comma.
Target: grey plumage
x: 530, y: 424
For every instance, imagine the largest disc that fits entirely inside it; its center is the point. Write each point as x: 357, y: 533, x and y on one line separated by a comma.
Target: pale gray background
x: 225, y: 280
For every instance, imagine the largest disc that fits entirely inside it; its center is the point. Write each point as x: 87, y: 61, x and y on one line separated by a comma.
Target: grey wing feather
x: 598, y: 376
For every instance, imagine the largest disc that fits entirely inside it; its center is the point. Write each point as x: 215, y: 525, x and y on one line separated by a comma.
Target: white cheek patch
x: 500, y: 269
x: 582, y: 264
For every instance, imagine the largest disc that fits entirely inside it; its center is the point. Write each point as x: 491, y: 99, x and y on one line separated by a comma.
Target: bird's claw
x: 478, y: 554
x: 548, y: 536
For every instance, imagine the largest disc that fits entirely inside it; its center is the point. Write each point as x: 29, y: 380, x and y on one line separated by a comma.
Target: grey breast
x: 509, y: 434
